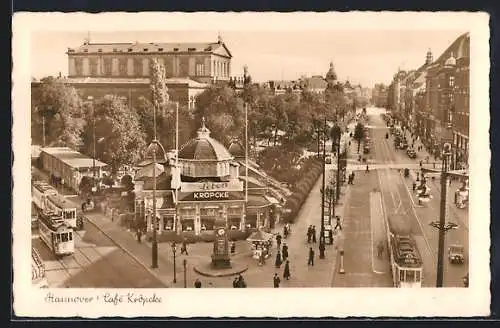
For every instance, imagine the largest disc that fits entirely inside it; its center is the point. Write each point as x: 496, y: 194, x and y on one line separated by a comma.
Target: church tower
x: 429, y: 59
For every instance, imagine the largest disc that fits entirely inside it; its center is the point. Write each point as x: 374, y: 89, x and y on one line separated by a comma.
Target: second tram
x: 56, y: 234
x: 406, y: 262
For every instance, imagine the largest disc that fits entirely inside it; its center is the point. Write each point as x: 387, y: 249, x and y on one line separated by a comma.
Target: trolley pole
x: 337, y: 191
x: 442, y: 218
x: 323, y: 191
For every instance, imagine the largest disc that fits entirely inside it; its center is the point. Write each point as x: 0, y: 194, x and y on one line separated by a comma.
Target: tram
x: 61, y: 207
x: 48, y: 200
x: 56, y: 234
x: 38, y: 278
x: 406, y: 262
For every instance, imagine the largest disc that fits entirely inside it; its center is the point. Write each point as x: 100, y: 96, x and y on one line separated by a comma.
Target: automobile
x: 411, y: 153
x: 456, y: 254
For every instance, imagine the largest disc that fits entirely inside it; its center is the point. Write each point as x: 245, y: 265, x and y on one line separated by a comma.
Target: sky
x: 360, y: 56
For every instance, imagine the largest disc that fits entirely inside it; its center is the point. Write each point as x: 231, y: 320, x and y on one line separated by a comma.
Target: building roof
x: 110, y: 80
x: 316, y: 82
x: 72, y: 158
x: 460, y: 49
x: 204, y: 148
x: 152, y: 47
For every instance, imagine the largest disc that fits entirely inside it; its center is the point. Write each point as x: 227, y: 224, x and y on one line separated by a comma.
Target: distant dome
x: 236, y: 149
x: 331, y: 75
x: 451, y: 61
x: 204, y: 148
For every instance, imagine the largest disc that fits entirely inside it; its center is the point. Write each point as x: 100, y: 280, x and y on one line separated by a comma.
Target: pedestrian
x: 241, y: 282
x: 285, y: 231
x: 184, y: 249
x: 380, y: 250
x: 197, y: 283
x: 309, y: 234
x: 278, y: 261
x: 278, y: 240
x: 414, y: 186
x: 138, y: 235
x: 284, y: 252
x: 330, y: 237
x: 352, y: 179
x: 276, y: 281
x: 233, y: 247
x: 310, y: 261
x: 313, y: 232
x: 367, y: 169
x: 286, y: 272
x: 235, y: 282
x: 338, y: 223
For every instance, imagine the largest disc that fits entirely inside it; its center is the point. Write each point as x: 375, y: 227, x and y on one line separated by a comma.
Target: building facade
x: 434, y: 99
x: 123, y: 69
x: 202, y: 190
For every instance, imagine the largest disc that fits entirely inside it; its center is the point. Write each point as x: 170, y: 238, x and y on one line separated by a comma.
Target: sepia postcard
x: 323, y: 161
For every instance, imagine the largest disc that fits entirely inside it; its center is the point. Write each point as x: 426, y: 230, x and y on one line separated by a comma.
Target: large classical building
x: 204, y: 188
x: 98, y: 69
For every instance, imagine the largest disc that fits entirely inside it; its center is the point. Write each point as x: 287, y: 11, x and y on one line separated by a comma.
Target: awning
x: 260, y: 236
x: 272, y: 200
x: 258, y: 201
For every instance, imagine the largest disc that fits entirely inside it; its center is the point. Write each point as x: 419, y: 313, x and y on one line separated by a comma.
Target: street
x: 399, y: 198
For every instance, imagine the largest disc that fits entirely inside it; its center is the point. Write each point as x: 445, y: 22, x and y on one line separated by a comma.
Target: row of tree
x: 121, y: 133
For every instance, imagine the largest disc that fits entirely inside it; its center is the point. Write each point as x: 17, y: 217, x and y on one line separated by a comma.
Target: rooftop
x: 145, y: 81
x: 72, y: 158
x: 152, y: 47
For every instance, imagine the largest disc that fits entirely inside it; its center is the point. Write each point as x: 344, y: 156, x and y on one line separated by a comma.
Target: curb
x: 151, y: 271
x: 230, y: 272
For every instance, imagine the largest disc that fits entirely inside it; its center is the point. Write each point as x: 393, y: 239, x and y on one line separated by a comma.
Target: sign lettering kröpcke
x: 210, y: 195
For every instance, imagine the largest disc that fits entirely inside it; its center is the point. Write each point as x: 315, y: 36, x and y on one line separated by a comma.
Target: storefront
x: 204, y: 210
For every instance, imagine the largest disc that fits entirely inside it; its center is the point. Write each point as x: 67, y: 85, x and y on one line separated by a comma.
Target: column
x: 130, y: 66
x: 114, y: 67
x: 197, y: 221
x: 243, y: 226
x: 259, y: 224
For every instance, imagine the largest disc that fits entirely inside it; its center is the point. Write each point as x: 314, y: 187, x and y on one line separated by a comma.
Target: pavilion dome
x: 204, y: 148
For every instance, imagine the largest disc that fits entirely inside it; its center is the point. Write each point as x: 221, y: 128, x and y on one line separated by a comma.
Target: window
x: 122, y: 66
x: 145, y: 49
x: 191, y: 49
x: 401, y: 275
x: 451, y: 81
x: 137, y: 67
x: 93, y: 66
x: 410, y: 275
x: 107, y: 66
x: 160, y: 49
x: 176, y: 49
x: 78, y: 66
x: 99, y: 50
x: 199, y: 70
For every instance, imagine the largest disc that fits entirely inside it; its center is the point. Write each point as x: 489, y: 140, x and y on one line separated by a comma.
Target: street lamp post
x: 323, y: 191
x: 441, y: 225
x: 90, y: 99
x: 174, y: 251
x: 184, y: 262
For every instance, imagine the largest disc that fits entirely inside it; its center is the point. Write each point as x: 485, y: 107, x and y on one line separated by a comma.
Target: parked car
x: 411, y: 153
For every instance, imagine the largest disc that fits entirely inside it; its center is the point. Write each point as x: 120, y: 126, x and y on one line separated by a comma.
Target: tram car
x: 67, y: 210
x: 39, y: 192
x: 56, y: 234
x: 462, y: 196
x: 38, y: 277
x: 406, y: 262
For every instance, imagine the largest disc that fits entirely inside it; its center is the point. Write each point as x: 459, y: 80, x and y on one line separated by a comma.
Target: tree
x: 223, y: 112
x: 119, y: 128
x: 61, y: 108
x: 359, y: 132
x: 335, y: 134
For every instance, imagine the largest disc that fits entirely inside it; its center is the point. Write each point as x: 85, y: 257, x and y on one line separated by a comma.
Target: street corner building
x: 435, y: 97
x: 204, y: 188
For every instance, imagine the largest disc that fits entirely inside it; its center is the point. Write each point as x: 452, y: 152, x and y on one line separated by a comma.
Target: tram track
x: 392, y: 186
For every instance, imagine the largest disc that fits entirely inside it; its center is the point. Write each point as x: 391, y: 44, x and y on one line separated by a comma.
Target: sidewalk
x: 362, y: 232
